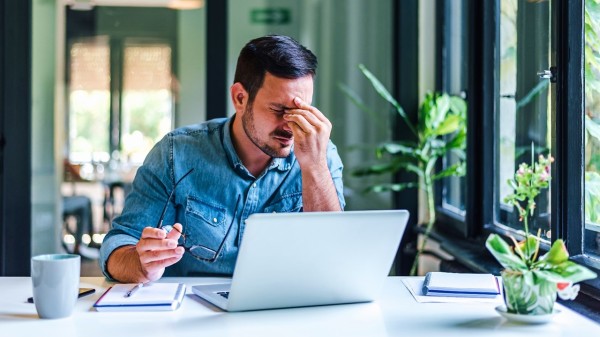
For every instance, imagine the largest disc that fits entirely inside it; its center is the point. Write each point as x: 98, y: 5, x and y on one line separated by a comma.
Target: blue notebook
x: 460, y: 285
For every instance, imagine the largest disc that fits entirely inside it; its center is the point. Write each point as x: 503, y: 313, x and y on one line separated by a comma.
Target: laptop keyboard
x: 224, y: 294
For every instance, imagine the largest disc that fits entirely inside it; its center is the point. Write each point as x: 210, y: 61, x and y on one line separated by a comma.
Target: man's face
x: 263, y: 120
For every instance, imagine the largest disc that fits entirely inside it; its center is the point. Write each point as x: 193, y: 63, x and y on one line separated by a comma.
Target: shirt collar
x: 228, y: 144
x: 282, y: 164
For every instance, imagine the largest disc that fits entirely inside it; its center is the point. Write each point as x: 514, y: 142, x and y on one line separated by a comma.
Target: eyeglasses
x: 200, y: 252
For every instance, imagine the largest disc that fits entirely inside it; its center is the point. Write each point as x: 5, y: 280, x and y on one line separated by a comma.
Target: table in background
x: 396, y: 313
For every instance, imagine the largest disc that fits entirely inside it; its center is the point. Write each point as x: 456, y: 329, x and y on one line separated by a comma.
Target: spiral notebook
x: 149, y: 297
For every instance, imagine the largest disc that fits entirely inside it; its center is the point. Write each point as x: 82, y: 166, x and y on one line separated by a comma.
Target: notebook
x: 461, y: 285
x: 313, y: 258
x: 149, y: 297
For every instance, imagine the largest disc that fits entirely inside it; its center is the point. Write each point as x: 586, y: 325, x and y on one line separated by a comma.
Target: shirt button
x: 215, y: 220
x: 254, y: 185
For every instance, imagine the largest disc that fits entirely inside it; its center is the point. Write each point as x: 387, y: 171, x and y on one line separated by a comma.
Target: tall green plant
x: 440, y: 129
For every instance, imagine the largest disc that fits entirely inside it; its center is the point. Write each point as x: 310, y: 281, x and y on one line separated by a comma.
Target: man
x: 272, y: 155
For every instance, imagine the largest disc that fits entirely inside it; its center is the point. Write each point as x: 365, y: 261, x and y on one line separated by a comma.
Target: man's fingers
x: 153, y: 233
x: 146, y: 244
x: 316, y: 112
x: 176, y: 232
x: 301, y: 123
x: 154, y: 266
x: 151, y: 257
x: 158, y: 249
x: 297, y: 131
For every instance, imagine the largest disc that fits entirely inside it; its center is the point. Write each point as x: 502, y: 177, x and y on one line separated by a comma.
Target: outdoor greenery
x: 592, y: 117
x: 440, y: 129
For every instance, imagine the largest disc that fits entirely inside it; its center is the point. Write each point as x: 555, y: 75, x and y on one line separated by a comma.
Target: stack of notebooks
x: 461, y: 285
x: 142, y: 297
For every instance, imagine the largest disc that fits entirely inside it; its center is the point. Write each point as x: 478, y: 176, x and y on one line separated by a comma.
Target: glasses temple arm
x: 164, y: 211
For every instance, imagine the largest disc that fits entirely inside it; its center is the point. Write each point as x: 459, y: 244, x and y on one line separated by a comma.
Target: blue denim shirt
x: 204, y: 202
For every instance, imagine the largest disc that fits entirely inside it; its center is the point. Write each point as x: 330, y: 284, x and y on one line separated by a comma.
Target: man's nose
x: 286, y: 127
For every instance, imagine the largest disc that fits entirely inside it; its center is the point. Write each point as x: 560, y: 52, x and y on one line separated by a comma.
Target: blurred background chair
x: 77, y: 214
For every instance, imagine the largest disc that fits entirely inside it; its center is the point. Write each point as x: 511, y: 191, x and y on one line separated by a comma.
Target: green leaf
x: 568, y: 271
x: 442, y: 103
x: 392, y: 187
x: 448, y: 125
x: 541, y: 86
x: 398, y: 148
x: 529, y: 246
x: 375, y: 169
x: 385, y: 94
x: 458, y: 106
x: 503, y: 253
x: 458, y: 169
x: 391, y: 167
x: 459, y: 141
x: 557, y: 254
x: 357, y: 101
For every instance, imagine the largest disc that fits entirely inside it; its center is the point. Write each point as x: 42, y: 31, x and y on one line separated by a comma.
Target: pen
x: 133, y: 290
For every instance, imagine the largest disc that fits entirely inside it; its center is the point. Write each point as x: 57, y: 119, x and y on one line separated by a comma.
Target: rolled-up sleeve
x: 335, y: 168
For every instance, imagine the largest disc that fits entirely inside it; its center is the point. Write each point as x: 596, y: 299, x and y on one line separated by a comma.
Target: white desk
x: 395, y: 314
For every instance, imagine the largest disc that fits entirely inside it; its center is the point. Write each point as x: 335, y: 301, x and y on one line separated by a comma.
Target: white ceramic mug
x: 55, y: 279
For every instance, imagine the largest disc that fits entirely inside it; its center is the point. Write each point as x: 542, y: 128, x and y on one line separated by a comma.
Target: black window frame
x: 453, y: 222
x: 567, y: 138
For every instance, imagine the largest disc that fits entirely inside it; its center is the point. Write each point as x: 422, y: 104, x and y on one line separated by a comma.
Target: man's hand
x: 311, y: 131
x: 158, y: 250
x: 147, y: 260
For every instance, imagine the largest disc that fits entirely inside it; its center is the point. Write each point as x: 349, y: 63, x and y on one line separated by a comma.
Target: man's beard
x: 249, y: 128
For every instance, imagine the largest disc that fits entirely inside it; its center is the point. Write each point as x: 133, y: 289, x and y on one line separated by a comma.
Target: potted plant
x: 441, y: 129
x: 531, y: 282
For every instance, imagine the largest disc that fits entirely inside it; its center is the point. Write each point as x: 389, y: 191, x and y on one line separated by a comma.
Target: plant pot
x: 525, y: 294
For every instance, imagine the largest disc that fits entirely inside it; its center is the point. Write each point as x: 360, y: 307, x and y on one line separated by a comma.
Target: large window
x: 89, y: 100
x: 528, y: 96
x: 147, y: 98
x: 121, y: 86
x: 524, y: 104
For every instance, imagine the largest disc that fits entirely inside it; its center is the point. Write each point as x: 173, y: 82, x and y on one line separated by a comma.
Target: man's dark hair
x: 279, y: 55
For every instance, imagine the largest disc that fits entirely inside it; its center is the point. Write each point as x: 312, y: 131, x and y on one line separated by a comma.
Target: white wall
x: 45, y: 216
x: 191, y: 61
x: 353, y: 32
x: 342, y: 33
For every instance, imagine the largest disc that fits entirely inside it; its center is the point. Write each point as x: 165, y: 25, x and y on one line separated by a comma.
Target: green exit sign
x: 270, y: 16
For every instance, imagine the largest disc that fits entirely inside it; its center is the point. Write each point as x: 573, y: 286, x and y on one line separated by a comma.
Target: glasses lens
x: 203, y: 253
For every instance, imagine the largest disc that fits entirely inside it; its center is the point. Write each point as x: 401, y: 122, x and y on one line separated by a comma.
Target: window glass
x: 524, y: 104
x: 592, y: 126
x: 147, y: 99
x: 89, y: 100
x: 456, y: 69
x: 122, y: 77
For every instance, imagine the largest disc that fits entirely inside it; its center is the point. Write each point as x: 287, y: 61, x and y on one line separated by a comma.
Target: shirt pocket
x: 286, y: 204
x: 205, y: 223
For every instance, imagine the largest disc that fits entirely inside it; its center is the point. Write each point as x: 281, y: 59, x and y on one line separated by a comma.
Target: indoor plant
x: 531, y: 282
x: 440, y: 129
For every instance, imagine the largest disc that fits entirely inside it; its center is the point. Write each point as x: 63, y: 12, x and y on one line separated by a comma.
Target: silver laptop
x: 313, y: 258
